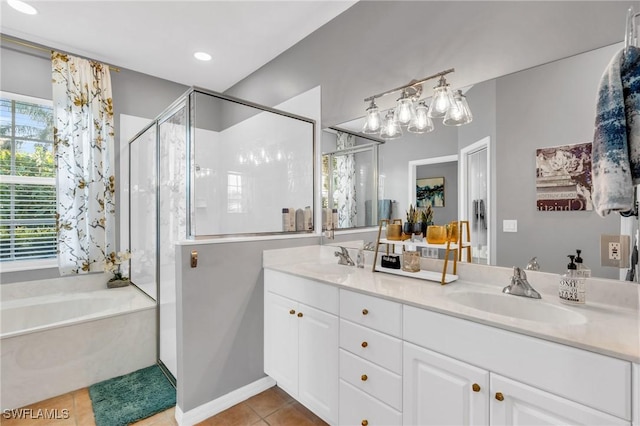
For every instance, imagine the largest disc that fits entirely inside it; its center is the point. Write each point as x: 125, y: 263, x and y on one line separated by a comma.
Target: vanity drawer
x: 372, y: 379
x: 371, y: 345
x: 357, y: 408
x: 309, y: 292
x: 373, y: 312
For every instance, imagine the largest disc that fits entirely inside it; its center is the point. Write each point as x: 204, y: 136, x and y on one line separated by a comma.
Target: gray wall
x: 546, y: 106
x: 443, y: 215
x: 220, y: 315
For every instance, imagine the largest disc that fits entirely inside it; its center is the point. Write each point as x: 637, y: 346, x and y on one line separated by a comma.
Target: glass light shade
x: 390, y: 128
x: 421, y: 122
x: 405, y: 110
x: 459, y: 113
x: 372, y: 122
x: 442, y: 99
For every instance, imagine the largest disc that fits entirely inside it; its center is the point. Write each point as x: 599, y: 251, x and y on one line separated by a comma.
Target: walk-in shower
x: 211, y: 166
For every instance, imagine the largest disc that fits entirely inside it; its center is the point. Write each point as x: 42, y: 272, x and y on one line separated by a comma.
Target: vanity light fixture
x: 23, y: 7
x: 202, y: 56
x: 413, y: 113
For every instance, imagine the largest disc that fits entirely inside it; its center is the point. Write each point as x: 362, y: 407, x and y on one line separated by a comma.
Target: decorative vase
x: 394, y: 231
x: 436, y: 234
x: 424, y: 228
x: 115, y: 283
x: 417, y: 228
x: 407, y: 228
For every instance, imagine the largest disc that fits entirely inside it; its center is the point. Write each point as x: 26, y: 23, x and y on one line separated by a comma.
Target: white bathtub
x: 63, y: 334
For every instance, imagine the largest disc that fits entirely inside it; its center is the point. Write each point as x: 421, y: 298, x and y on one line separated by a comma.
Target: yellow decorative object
x: 436, y: 234
x: 452, y: 231
x: 394, y: 231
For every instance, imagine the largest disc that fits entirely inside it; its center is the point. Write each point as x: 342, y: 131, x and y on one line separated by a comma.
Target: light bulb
x: 459, y: 113
x: 390, y: 128
x: 404, y: 110
x: 372, y: 122
x: 421, y: 123
x: 442, y: 99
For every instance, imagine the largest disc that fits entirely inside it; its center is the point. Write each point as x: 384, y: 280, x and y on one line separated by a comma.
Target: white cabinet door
x: 438, y: 390
x: 281, y: 341
x: 514, y: 403
x: 318, y: 362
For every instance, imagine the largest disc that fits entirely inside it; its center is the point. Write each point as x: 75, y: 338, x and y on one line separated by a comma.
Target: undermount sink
x: 518, y: 307
x: 328, y: 270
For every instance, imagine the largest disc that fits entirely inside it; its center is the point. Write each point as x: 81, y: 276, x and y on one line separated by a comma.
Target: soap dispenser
x: 583, y: 270
x: 571, y: 290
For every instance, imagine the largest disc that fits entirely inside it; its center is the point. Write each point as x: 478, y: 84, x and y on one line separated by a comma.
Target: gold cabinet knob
x: 299, y: 314
x: 499, y: 396
x: 365, y: 311
x: 292, y: 312
x: 475, y: 387
x: 364, y: 422
x: 364, y: 344
x: 364, y: 377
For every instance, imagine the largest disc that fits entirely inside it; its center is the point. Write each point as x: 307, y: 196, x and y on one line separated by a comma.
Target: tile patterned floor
x: 273, y: 407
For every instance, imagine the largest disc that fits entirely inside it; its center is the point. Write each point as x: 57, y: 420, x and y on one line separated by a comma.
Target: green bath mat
x: 132, y: 397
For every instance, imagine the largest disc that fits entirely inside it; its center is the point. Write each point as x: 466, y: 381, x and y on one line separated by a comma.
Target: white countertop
x: 612, y: 319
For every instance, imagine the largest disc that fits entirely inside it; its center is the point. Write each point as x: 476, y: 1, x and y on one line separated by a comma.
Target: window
x: 235, y: 199
x: 27, y: 179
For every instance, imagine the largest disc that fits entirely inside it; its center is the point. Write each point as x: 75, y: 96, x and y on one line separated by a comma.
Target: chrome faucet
x: 520, y: 286
x: 344, y: 258
x: 533, y: 265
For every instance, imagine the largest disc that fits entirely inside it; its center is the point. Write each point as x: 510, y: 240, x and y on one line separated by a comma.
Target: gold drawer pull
x: 475, y: 387
x: 499, y: 396
x: 292, y: 312
x: 364, y: 377
x: 299, y: 314
x: 364, y: 422
x: 365, y: 311
x: 364, y: 344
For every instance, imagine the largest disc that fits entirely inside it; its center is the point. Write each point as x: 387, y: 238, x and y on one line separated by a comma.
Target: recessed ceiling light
x: 202, y: 56
x: 23, y: 7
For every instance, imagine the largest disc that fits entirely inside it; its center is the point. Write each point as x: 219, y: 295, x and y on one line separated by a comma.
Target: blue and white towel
x: 616, y: 142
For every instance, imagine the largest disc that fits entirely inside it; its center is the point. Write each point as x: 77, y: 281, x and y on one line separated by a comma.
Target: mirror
x: 546, y: 106
x: 350, y: 181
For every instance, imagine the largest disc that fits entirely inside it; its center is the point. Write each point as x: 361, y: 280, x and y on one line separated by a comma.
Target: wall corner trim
x: 218, y: 405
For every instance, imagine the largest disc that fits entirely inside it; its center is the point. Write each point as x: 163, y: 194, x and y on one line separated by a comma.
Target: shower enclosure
x: 210, y: 166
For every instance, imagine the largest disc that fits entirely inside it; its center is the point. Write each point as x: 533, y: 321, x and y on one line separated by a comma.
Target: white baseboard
x: 214, y: 407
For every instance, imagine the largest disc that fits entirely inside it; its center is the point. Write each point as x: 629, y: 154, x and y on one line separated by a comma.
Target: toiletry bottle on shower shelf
x: 285, y: 219
x: 299, y: 220
x: 308, y: 219
x: 571, y: 290
x: 583, y: 270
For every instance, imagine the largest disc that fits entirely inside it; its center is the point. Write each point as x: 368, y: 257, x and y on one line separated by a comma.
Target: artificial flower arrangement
x: 113, y: 264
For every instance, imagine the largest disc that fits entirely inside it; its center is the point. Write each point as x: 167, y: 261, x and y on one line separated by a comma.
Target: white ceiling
x: 480, y: 39
x: 159, y: 37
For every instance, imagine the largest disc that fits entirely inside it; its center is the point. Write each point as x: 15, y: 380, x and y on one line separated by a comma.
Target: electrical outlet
x: 614, y: 251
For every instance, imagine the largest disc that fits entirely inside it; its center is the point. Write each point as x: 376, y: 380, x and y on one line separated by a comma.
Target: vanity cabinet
x: 520, y: 380
x: 301, y: 340
x: 440, y: 390
x: 358, y: 359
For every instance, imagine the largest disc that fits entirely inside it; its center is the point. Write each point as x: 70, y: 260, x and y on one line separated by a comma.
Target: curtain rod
x: 44, y: 49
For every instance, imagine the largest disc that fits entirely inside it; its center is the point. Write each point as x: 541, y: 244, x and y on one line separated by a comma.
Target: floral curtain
x: 344, y: 192
x: 83, y: 140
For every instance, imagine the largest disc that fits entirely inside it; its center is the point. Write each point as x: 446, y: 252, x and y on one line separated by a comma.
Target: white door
x: 281, y: 341
x: 438, y: 390
x: 514, y: 403
x: 318, y: 362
